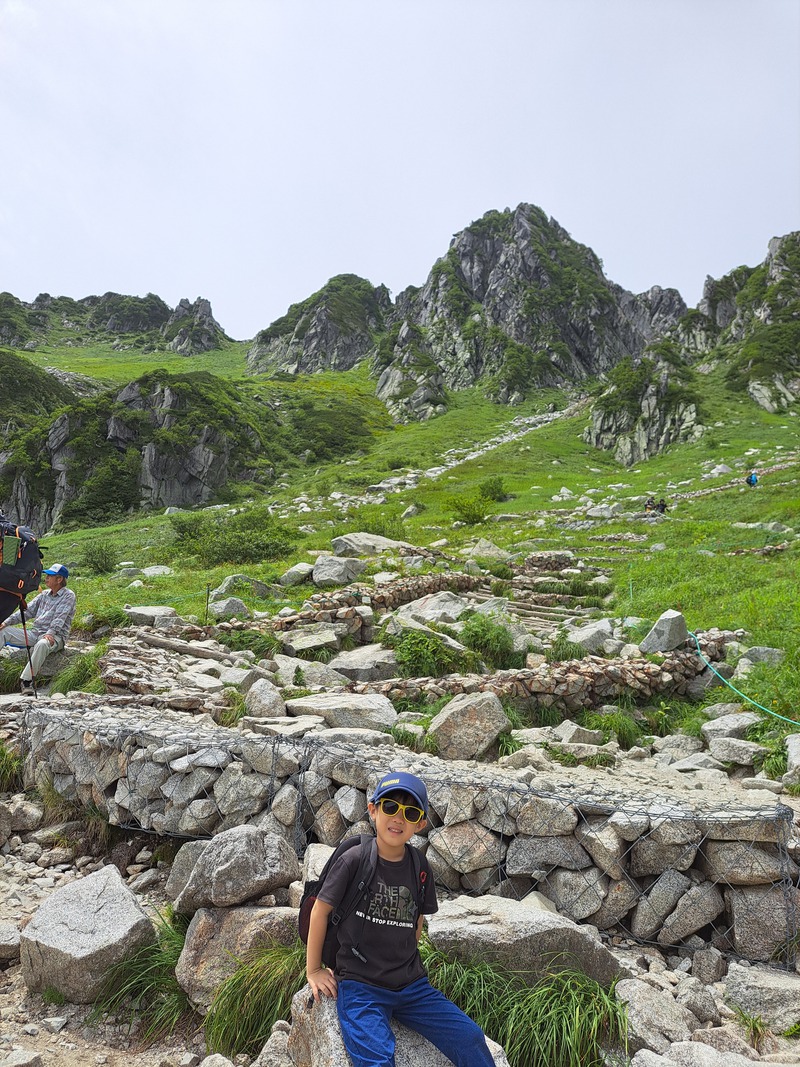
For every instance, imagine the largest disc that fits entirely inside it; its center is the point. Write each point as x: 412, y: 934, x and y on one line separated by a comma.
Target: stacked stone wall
x: 649, y: 868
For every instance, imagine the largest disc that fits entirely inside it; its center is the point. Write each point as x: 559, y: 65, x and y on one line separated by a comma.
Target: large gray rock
x: 697, y: 908
x: 592, y: 635
x: 296, y: 575
x: 771, y: 993
x: 734, y: 750
x: 738, y: 863
x: 520, y: 936
x: 367, y: 544
x: 229, y: 607
x: 370, y: 710
x: 240, y: 582
x: 315, y: 1039
x: 467, y: 846
x: 669, y: 632
x: 468, y: 726
x: 735, y: 725
x: 337, y: 570
x: 760, y: 921
x: 443, y: 607
x: 652, y: 910
x: 306, y: 672
x: 79, y: 932
x: 655, y: 1020
x: 238, y: 865
x: 182, y: 866
x: 264, y: 700
x: 368, y: 663
x: 218, y: 938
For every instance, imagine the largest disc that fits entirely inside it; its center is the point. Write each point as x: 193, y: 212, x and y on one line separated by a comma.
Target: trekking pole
x: 208, y: 595
x: 22, y: 607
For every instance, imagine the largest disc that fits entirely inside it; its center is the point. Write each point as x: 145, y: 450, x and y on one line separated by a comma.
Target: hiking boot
x: 26, y: 688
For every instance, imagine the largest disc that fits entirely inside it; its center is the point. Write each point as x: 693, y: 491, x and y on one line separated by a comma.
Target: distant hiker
x: 661, y: 506
x: 52, y: 613
x: 650, y: 504
x: 752, y: 478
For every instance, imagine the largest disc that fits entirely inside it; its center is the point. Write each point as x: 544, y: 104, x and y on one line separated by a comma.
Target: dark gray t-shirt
x: 385, y: 933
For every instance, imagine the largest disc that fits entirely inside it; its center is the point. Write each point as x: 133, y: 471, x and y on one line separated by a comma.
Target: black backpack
x: 20, y: 566
x: 357, y: 891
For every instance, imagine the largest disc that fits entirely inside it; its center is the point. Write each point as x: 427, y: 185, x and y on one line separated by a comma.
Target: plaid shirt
x: 53, y: 613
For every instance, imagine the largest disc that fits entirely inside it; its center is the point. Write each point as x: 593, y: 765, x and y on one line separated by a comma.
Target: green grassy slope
x: 351, y: 444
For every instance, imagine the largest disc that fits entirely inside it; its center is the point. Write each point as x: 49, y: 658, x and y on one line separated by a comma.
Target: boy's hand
x: 322, y: 981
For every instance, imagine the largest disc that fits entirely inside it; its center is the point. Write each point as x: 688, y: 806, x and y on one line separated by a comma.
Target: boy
x: 378, y: 972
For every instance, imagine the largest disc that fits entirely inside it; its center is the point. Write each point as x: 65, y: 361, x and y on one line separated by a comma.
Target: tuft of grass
x: 53, y: 996
x: 599, y: 759
x: 10, y: 670
x: 566, y: 759
x: 407, y: 739
x: 264, y: 645
x: 10, y: 770
x: 422, y: 655
x: 143, y: 986
x: 618, y: 724
x: 563, y: 649
x: 234, y: 711
x: 96, y: 834
x: 562, y: 1019
x: 757, y: 1031
x: 81, y: 673
x: 259, y: 993
x: 508, y: 744
x: 492, y: 641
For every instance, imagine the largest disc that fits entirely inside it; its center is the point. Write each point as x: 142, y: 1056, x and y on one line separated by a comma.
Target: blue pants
x: 365, y: 1011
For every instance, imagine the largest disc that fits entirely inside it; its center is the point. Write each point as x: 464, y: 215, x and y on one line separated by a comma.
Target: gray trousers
x: 14, y: 637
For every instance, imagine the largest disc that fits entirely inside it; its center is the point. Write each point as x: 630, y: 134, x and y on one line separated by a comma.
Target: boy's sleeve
x: 339, y: 878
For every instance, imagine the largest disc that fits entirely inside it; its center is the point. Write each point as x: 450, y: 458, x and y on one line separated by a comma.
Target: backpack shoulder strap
x: 420, y: 877
x: 367, y: 865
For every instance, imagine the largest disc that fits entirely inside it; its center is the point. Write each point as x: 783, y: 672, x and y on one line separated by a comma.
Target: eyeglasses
x: 411, y: 813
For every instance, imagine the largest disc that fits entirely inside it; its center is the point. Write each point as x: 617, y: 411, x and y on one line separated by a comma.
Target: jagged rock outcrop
x: 333, y: 329
x: 134, y: 322
x: 160, y: 441
x: 635, y: 435
x: 192, y: 328
x: 515, y: 303
x: 518, y: 301
x: 750, y: 320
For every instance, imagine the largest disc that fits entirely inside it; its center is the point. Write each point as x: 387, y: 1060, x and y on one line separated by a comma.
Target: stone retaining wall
x: 640, y: 866
x: 570, y: 686
x: 322, y: 607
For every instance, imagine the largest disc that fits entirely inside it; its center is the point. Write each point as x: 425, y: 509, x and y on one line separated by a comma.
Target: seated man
x: 52, y: 613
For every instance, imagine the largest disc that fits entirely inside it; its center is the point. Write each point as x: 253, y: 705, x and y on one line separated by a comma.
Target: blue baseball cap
x: 402, y: 782
x: 59, y: 570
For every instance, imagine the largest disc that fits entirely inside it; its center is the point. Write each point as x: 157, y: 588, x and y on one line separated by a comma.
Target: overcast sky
x: 248, y: 150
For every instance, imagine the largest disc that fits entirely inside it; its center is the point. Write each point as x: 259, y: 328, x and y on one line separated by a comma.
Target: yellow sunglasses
x: 411, y: 813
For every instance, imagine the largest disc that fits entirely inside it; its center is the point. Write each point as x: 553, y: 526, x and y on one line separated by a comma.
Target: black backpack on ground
x: 20, y: 566
x: 357, y: 891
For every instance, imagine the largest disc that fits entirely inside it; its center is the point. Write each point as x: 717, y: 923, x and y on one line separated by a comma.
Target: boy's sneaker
x: 26, y: 688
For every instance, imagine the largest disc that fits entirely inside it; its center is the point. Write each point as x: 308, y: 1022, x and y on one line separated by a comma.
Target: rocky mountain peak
x: 333, y: 329
x: 192, y: 328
